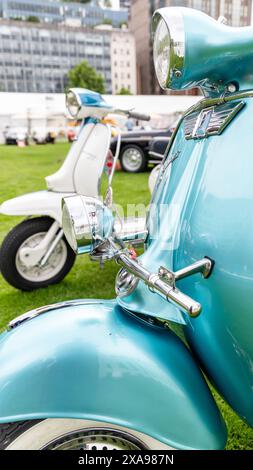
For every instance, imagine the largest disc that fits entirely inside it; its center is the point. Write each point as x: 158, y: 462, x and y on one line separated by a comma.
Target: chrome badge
x: 211, y: 121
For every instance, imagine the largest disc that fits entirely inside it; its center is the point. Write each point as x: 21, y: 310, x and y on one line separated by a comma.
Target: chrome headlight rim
x: 70, y: 95
x: 173, y: 20
x: 82, y: 222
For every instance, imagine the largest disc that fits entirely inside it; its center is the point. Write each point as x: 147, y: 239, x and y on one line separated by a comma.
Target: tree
x: 124, y: 91
x: 85, y: 76
x: 33, y: 19
x: 107, y: 21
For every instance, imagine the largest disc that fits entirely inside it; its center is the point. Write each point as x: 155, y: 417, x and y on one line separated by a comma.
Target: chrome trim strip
x: 155, y: 154
x: 45, y: 309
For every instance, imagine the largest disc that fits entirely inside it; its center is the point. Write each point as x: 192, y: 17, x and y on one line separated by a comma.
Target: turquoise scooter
x: 95, y: 374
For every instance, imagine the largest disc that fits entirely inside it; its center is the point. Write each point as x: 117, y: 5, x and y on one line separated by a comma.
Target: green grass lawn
x: 22, y: 171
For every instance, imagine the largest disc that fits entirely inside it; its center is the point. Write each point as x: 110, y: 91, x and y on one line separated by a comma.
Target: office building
x: 37, y: 57
x: 123, y: 60
x: 55, y: 11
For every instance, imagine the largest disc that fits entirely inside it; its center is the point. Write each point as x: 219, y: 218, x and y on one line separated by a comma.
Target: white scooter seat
x: 82, y: 169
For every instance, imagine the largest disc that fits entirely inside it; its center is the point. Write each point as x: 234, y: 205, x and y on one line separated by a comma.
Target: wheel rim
x: 132, y: 159
x: 95, y: 439
x: 53, y: 266
x: 76, y: 434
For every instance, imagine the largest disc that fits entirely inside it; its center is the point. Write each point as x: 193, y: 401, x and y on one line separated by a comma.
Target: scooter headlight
x: 73, y: 103
x: 86, y: 222
x: 82, y: 103
x: 169, y: 46
x: 162, y: 52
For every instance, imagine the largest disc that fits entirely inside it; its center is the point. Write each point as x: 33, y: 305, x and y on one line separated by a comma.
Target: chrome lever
x: 203, y: 266
x: 164, y: 282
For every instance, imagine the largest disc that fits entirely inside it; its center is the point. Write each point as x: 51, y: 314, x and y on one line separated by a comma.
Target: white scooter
x: 35, y: 253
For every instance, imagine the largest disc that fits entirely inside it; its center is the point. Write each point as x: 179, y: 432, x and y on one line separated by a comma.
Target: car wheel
x: 133, y: 159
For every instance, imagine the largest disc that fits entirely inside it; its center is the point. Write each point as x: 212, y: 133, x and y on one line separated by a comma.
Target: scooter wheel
x: 28, y: 234
x: 74, y: 434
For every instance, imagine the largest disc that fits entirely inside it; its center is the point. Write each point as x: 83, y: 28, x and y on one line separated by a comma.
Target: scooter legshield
x: 94, y: 360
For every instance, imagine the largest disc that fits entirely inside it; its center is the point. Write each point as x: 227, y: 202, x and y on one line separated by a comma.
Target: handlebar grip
x: 139, y: 116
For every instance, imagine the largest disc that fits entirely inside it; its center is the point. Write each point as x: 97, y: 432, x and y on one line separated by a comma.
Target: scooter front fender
x: 94, y: 360
x: 38, y: 203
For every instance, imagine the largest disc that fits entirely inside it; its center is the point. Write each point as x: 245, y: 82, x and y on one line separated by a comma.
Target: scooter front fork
x: 40, y: 254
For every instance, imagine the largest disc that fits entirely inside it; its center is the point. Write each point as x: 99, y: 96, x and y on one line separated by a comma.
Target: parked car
x: 41, y: 136
x: 135, y: 147
x: 15, y: 135
x: 157, y: 148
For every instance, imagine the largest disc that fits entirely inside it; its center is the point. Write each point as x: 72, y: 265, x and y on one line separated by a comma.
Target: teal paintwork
x: 209, y: 213
x: 91, y: 98
x: 99, y: 361
x: 215, y: 54
x: 205, y: 209
x: 96, y: 361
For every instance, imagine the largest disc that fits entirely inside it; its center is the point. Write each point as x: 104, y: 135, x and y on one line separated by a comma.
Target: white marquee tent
x: 17, y: 109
